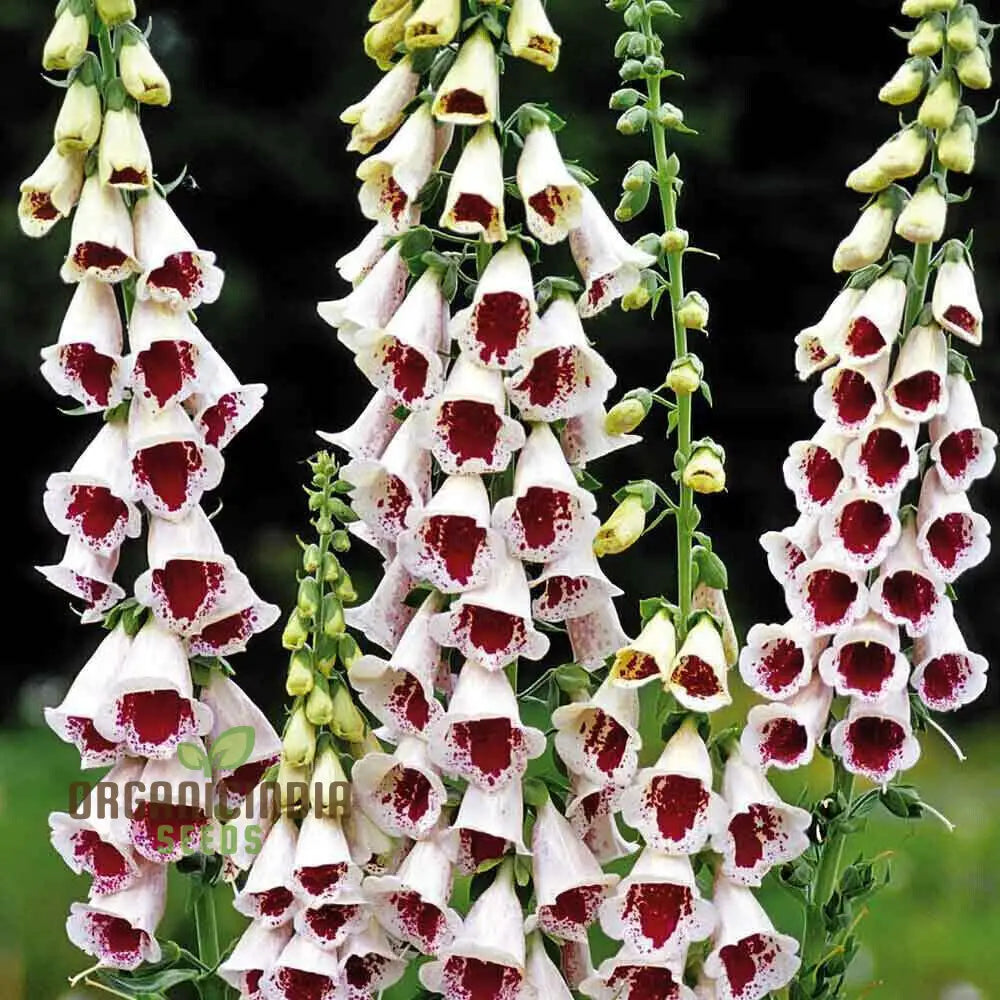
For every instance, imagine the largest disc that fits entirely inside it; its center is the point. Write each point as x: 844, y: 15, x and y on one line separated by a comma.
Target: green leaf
x: 193, y: 757
x: 232, y: 748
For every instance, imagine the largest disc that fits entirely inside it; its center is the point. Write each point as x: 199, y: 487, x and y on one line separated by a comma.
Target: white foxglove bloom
x: 469, y: 94
x: 384, y: 617
x: 598, y: 738
x: 553, y: 198
x: 961, y: 448
x: 170, y: 464
x: 371, y: 304
x: 819, y: 346
x: 487, y: 958
x: 371, y: 850
x: 377, y: 115
x: 369, y: 964
x: 412, y: 905
x: 266, y: 896
x: 864, y: 661
x: 329, y: 926
x: 925, y: 215
x: 66, y: 44
x: 876, y: 740
x: 404, y: 359
x: 323, y: 870
x: 657, y: 908
x: 569, y: 883
x: 78, y: 124
x: 355, y: 265
x: 90, y: 840
x: 466, y: 427
x: 493, y: 624
x: 713, y: 600
x: 449, y: 542
x: 84, y: 574
x: 596, y: 635
x: 49, y: 194
x: 814, y: 470
x: 91, y: 502
x: 401, y: 793
x: 481, y: 737
x: 562, y: 375
x: 542, y: 975
x: 530, y: 35
x: 399, y: 691
x: 946, y: 674
x: 789, y: 548
x: 785, y: 735
x: 632, y: 976
x: 955, y: 302
x: 230, y: 629
x: 254, y: 956
x: 223, y: 405
x: 488, y: 825
x: 951, y: 536
x: 387, y: 489
x: 473, y: 204
x: 572, y: 586
x: 141, y: 74
x: 392, y: 179
x: 123, y: 158
x: 174, y: 270
x: 917, y: 390
x: 370, y: 434
x: 586, y: 439
x: 750, y: 958
x: 101, y: 244
x: 574, y: 960
x: 649, y: 656
x: 165, y: 360
x: 860, y: 527
x: 874, y: 324
x: 777, y: 660
x: 851, y: 398
x: 907, y: 592
x: 120, y: 930
x: 868, y: 241
x: 827, y: 593
x: 884, y: 460
x: 549, y: 512
x: 608, y: 264
x: 302, y: 966
x: 698, y: 674
x: 591, y: 810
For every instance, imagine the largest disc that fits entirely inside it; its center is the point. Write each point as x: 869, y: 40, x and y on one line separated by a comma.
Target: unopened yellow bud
x: 940, y: 106
x: 319, y: 704
x: 928, y: 39
x: 141, y: 73
x: 906, y: 83
x: 300, y: 674
x: 296, y: 633
x: 692, y: 313
x: 78, y: 126
x: 292, y: 785
x: 113, y: 12
x: 705, y: 470
x: 381, y: 39
x: 628, y: 413
x: 434, y: 24
x: 382, y: 9
x: 957, y: 147
x: 347, y: 722
x: 684, y: 376
x: 974, y: 70
x: 963, y: 29
x: 530, y: 35
x: 622, y: 529
x: 299, y: 741
x: 67, y: 42
x: 674, y: 240
x: 923, y: 219
x: 636, y: 298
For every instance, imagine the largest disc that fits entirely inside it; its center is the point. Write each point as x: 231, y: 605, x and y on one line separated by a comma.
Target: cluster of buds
x: 168, y: 405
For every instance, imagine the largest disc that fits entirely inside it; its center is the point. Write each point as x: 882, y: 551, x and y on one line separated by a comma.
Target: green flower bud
x: 324, y: 524
x: 632, y: 203
x: 333, y: 616
x: 957, y: 147
x: 325, y: 654
x: 924, y: 217
x: 640, y: 296
x: 652, y: 65
x: 331, y: 568
x: 631, y: 69
x: 307, y: 602
x: 622, y: 100
x: 928, y: 39
x: 319, y: 704
x: 633, y: 121
x: 640, y: 175
x: 907, y: 82
x: 347, y: 722
x: 974, y: 69
x: 67, y: 42
x: 940, y: 106
x: 296, y: 632
x: 674, y: 240
x: 348, y: 650
x: 901, y: 156
x: 345, y: 588
x: 299, y: 741
x: 311, y: 558
x: 692, y: 313
x: 300, y: 673
x: 113, y: 12
x: 382, y: 38
x: 629, y: 412
x: 328, y: 773
x: 381, y: 9
x: 670, y: 116
x: 685, y: 375
x: 292, y: 784
x: 705, y: 470
x: 963, y: 29
x: 340, y: 541
x: 622, y: 529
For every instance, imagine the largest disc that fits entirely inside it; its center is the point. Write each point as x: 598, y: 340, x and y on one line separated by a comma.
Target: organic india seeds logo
x: 231, y: 749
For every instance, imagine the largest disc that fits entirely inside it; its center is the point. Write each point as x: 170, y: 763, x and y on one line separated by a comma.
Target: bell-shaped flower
x: 487, y: 958
x: 254, y: 956
x: 575, y: 962
x: 777, y: 660
x: 369, y: 964
x: 473, y: 204
x: 553, y: 198
x: 906, y: 591
x: 401, y: 793
x: 101, y: 243
x: 876, y: 739
x: 481, y: 737
x: 165, y: 360
x: 917, y: 390
x: 591, y: 810
x: 90, y: 840
x: 370, y: 434
x: 585, y: 438
x: 789, y: 548
x: 151, y: 705
x: 572, y: 586
x: 228, y: 630
x: 961, y: 448
x: 302, y: 969
x: 412, y: 905
x: 377, y: 115
x: 860, y: 527
x: 874, y: 324
x: 814, y: 470
x: 763, y: 831
x: 819, y: 346
x: 493, y: 624
x: 898, y: 157
x: 542, y: 975
x: 66, y: 44
x: 223, y: 405
x: 750, y: 959
x: 449, y: 542
x: 596, y: 635
x: 487, y: 826
x: 84, y: 574
x: 120, y: 930
x: 78, y: 124
x: 951, y: 536
x: 649, y: 656
x: 883, y: 460
x: 267, y: 897
x: 371, y: 304
x: 598, y: 737
x: 355, y: 265
x: 469, y: 94
x: 657, y: 908
x: 323, y: 870
x: 530, y: 35
x: 91, y: 502
x: 954, y: 301
x: 630, y: 975
x: 49, y: 194
x: 170, y: 464
x: 384, y: 617
x: 946, y: 675
x: 827, y: 593
x: 697, y: 677
x: 868, y: 241
x: 562, y: 376
x: 331, y: 924
x: 123, y: 158
x: 864, y: 660
x: 466, y: 427
x: 785, y: 735
x: 851, y: 398
x: 141, y: 74
x: 609, y: 265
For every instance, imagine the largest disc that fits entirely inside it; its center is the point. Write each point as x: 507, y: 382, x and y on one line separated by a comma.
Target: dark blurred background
x: 783, y: 96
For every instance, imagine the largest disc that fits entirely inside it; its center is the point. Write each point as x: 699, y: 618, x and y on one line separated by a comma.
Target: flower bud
x: 633, y: 121
x: 907, y: 82
x: 299, y: 741
x: 434, y: 24
x: 311, y: 559
x: 639, y: 177
x: 685, y: 375
x: 530, y: 35
x: 331, y: 568
x: 923, y: 219
x: 144, y: 80
x: 340, y: 541
x: 307, y: 602
x: 963, y: 29
x: 900, y: 156
x: 78, y: 125
x: 705, y: 471
x: 124, y: 160
x: 868, y: 240
x: 940, y: 106
x: 348, y: 650
x: 325, y: 654
x: 113, y: 12
x: 928, y: 38
x: 622, y: 100
x: 300, y: 673
x: 381, y: 9
x: 328, y: 773
x: 640, y: 296
x: 67, y: 42
x: 319, y: 704
x: 631, y: 69
x: 974, y: 69
x: 333, y: 616
x: 292, y: 784
x: 629, y: 412
x: 957, y: 147
x: 345, y: 589
x: 669, y: 115
x: 382, y: 38
x: 296, y: 632
x: 623, y: 528
x: 692, y: 313
x: 347, y: 722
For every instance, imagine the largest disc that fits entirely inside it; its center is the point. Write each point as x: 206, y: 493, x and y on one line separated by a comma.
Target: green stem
x: 207, y: 930
x: 107, y: 53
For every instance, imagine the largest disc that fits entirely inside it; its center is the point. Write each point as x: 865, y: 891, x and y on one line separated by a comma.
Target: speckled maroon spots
x: 943, y: 679
x: 750, y: 831
x: 328, y: 922
x: 636, y: 666
x: 597, y: 290
x: 216, y: 420
x: 474, y: 208
x: 392, y: 505
x: 423, y: 922
x: 167, y: 470
x: 455, y: 539
x: 884, y: 456
x: 487, y: 743
x: 96, y: 511
x: 544, y: 514
x: 918, y: 392
x: 393, y: 199
x: 476, y: 848
x: 909, y: 595
x: 865, y: 666
x: 958, y: 450
x: 188, y: 586
x: 461, y: 101
x: 180, y: 272
x: 99, y: 858
x: 408, y: 702
x: 573, y: 910
x: 490, y: 631
x: 784, y: 740
x: 678, y: 802
x: 407, y: 792
x: 876, y: 743
x: 815, y: 351
x: 500, y: 320
x: 165, y: 367
x: 780, y: 665
x: 823, y: 474
x: 273, y: 902
x: 471, y: 430
x: 473, y: 979
x: 245, y: 779
x: 98, y: 257
x: 409, y: 370
x: 88, y: 740
x: 362, y: 971
x: 552, y: 376
x: 862, y: 525
x: 559, y: 590
x: 605, y: 742
x: 155, y: 718
x: 864, y: 338
x: 949, y: 537
x: 41, y: 207
x: 960, y: 317
x: 90, y: 369
x: 853, y: 397
x: 223, y: 633
x: 830, y: 594
x: 657, y: 909
x: 251, y: 983
x: 150, y: 820
x: 741, y: 962
x: 118, y: 941
x: 319, y: 879
x: 547, y: 203
x: 296, y: 984
x: 643, y: 982
x: 696, y: 677
x: 92, y: 591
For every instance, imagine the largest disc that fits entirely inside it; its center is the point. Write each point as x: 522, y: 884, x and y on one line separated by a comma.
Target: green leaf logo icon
x: 194, y: 758
x: 232, y: 748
